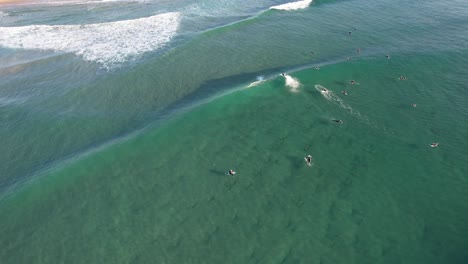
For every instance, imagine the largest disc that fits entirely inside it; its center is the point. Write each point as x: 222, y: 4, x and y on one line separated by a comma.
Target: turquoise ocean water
x: 120, y: 119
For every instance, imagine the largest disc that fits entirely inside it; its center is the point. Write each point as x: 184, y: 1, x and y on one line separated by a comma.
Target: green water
x: 376, y: 192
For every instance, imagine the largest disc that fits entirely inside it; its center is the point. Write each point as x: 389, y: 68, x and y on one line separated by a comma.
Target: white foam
x: 293, y: 5
x: 260, y: 79
x: 107, y: 43
x: 291, y: 82
x: 332, y: 97
x: 324, y: 91
x: 75, y: 2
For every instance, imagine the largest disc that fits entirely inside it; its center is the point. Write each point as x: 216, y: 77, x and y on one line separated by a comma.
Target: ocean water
x: 120, y: 119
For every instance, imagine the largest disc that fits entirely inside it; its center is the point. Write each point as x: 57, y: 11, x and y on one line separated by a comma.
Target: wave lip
x: 106, y: 43
x: 293, y: 5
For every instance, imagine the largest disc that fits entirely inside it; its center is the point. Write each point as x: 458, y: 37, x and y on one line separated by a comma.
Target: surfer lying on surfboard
x: 308, y: 160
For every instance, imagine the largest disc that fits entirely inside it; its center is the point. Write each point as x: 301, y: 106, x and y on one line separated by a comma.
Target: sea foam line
x: 106, y: 43
x: 293, y: 5
x: 74, y: 2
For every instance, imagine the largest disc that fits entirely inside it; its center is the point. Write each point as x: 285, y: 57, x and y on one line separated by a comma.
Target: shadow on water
x: 296, y: 161
x: 340, y: 83
x: 219, y: 173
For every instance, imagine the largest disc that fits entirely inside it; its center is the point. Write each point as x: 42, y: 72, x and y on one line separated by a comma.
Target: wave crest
x: 293, y: 5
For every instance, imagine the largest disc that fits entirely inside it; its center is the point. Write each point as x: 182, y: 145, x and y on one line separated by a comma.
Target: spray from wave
x: 291, y: 82
x: 293, y: 5
x: 106, y: 43
x: 260, y: 79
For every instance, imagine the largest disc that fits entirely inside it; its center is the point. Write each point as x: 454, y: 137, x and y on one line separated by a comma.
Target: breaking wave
x: 291, y: 82
x: 106, y: 43
x: 293, y: 5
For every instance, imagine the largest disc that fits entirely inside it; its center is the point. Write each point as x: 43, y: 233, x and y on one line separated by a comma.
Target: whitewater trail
x: 333, y: 98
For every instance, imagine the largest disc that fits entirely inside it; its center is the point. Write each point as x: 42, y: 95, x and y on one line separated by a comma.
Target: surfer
x: 344, y: 92
x: 388, y: 57
x: 435, y: 144
x: 231, y: 172
x: 317, y: 67
x: 308, y: 160
x: 352, y: 82
x: 313, y: 53
x: 324, y: 90
x: 337, y: 121
x: 413, y: 105
x: 349, y: 33
x: 283, y: 74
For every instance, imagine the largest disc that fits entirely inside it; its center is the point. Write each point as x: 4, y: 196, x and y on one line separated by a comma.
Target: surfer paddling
x: 231, y: 172
x: 434, y: 145
x: 308, y: 160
